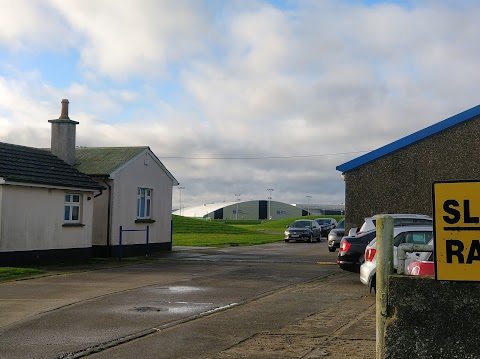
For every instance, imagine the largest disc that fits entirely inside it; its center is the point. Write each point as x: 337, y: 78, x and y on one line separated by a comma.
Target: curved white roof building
x: 257, y: 209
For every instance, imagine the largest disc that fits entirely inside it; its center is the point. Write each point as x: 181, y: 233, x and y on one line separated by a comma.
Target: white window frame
x: 144, y: 203
x: 73, y: 204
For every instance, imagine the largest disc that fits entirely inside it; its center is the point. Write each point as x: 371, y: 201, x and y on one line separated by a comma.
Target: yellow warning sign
x: 456, y: 211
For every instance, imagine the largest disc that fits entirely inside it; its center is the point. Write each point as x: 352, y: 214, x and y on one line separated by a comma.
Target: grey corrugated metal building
x: 256, y: 209
x: 397, y: 178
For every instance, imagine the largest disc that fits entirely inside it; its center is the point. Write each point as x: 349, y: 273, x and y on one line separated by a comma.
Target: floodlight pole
x: 180, y: 189
x: 308, y: 204
x: 270, y: 190
x: 236, y: 211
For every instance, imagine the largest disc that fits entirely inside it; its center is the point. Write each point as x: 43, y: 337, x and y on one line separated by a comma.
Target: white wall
x: 32, y: 219
x: 100, y: 215
x: 124, y: 203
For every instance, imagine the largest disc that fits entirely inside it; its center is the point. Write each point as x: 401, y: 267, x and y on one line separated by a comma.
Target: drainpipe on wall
x: 109, y: 211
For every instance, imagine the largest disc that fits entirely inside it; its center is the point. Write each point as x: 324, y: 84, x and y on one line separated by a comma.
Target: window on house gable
x: 72, y: 208
x: 144, y: 203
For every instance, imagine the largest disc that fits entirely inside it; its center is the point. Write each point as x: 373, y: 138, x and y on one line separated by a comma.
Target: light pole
x: 236, y: 211
x: 180, y: 189
x: 308, y: 204
x: 270, y: 190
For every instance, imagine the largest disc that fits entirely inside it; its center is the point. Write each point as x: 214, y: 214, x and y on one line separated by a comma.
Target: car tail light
x: 370, y: 254
x: 344, y: 246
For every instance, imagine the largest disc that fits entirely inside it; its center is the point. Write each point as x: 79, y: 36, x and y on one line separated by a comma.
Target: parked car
x: 421, y: 268
x: 352, y: 248
x: 327, y: 224
x: 399, y: 219
x: 404, y: 234
x: 336, y: 235
x: 304, y: 230
x: 424, y: 265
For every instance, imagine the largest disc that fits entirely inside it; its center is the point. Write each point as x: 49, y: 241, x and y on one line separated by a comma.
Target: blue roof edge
x: 410, y: 139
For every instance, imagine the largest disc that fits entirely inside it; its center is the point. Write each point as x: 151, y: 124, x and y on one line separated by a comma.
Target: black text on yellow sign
x: 456, y: 208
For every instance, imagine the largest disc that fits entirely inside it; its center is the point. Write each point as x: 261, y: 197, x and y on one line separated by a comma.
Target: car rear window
x: 409, y: 221
x: 417, y: 237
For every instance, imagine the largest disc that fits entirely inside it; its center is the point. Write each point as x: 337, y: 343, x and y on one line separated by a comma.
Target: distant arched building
x: 261, y: 209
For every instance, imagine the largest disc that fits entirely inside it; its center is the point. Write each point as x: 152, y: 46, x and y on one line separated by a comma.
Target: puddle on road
x: 184, y: 289
x: 173, y: 302
x: 148, y: 309
x: 173, y: 308
x: 179, y: 289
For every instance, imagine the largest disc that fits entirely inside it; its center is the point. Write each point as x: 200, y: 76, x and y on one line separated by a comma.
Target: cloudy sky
x: 233, y: 96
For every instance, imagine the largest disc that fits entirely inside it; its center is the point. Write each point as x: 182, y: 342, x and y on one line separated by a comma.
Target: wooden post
x: 384, y: 269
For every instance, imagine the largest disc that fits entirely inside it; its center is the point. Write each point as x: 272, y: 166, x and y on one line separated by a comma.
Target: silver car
x: 336, y: 235
x: 407, y: 234
x: 399, y: 219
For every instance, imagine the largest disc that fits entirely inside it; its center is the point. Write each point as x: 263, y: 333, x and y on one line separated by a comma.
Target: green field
x: 9, y: 273
x: 214, y: 233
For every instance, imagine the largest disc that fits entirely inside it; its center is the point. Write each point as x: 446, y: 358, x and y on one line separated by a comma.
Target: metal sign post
x: 384, y: 269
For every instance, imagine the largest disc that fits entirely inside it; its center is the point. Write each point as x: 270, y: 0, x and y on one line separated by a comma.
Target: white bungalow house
x: 69, y: 203
x: 138, y: 195
x: 46, y: 207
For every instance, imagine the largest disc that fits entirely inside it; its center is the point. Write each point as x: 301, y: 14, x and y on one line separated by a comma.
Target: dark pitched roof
x: 410, y: 139
x: 37, y: 166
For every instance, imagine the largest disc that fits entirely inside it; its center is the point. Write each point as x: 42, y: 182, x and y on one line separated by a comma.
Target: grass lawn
x: 10, y: 273
x: 277, y: 226
x: 224, y: 239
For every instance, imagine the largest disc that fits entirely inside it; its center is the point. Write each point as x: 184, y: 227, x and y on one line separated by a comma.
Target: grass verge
x: 11, y: 273
x: 225, y: 239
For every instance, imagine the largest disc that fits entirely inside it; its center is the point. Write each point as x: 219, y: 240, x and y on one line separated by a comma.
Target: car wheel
x: 373, y: 284
x: 331, y: 249
x: 309, y: 240
x: 286, y: 240
x: 361, y: 260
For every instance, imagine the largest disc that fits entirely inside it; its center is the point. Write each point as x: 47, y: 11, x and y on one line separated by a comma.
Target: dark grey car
x: 336, y: 235
x: 303, y: 230
x: 327, y: 224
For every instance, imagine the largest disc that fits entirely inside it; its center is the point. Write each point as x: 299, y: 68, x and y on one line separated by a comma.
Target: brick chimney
x: 63, y: 136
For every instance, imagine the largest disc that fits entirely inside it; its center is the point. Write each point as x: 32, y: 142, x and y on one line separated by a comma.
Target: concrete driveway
x: 192, y: 303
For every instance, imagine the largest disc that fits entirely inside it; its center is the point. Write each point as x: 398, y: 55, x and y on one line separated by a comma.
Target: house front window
x: 72, y: 208
x: 144, y: 203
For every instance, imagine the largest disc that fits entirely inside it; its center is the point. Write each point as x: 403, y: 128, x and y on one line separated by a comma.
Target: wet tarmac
x: 191, y: 303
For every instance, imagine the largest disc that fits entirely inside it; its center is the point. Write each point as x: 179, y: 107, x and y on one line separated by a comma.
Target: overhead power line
x: 259, y: 158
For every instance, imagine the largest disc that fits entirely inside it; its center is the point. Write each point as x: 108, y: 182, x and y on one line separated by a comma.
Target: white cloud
x: 30, y: 25
x: 241, y: 79
x: 131, y: 38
